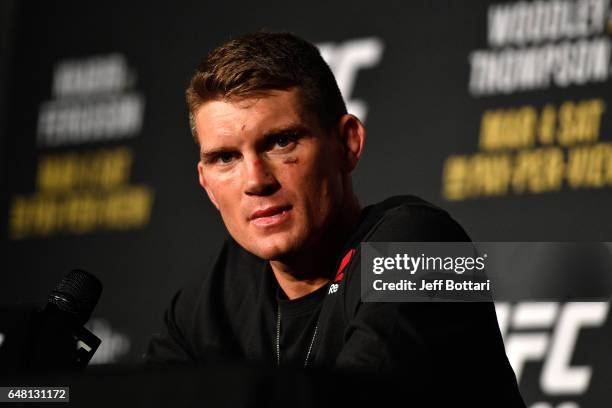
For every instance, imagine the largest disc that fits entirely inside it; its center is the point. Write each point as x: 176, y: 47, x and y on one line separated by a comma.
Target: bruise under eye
x: 291, y: 160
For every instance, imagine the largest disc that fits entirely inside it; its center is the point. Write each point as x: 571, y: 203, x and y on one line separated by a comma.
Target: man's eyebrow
x: 284, y: 130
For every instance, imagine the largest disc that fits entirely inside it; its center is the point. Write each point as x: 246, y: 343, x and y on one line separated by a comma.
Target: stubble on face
x: 278, y: 159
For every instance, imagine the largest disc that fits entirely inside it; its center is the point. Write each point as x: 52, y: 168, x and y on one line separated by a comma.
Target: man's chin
x: 272, y: 251
x: 271, y: 254
x: 271, y: 246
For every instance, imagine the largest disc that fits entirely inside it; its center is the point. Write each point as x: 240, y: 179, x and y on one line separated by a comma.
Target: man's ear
x: 205, y: 186
x: 352, y: 137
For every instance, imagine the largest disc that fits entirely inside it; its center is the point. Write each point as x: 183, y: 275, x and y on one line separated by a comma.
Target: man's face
x: 270, y: 169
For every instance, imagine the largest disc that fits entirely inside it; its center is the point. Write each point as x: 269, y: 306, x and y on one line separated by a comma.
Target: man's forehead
x: 259, y: 114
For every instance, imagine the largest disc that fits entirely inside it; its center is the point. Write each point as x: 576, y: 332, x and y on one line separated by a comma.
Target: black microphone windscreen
x: 77, y: 293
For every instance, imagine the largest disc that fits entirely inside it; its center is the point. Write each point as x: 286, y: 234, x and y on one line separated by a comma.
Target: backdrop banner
x: 496, y: 112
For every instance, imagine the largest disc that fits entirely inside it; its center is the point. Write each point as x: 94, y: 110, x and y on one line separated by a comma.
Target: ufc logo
x: 345, y: 59
x: 548, y: 331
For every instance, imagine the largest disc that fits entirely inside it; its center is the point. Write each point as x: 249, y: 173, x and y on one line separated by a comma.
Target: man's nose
x: 260, y: 178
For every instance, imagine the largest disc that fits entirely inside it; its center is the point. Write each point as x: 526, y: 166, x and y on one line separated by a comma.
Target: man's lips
x: 270, y: 216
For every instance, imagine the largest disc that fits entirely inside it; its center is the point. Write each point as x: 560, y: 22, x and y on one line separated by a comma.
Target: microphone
x: 59, y: 341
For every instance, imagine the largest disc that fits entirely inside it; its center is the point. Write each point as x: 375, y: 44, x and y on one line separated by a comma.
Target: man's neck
x: 306, y: 272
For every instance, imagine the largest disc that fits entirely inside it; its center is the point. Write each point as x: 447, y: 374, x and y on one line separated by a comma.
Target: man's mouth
x: 270, y: 216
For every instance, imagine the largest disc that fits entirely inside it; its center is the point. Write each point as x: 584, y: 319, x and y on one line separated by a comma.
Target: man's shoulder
x: 402, y: 204
x: 408, y: 218
x: 228, y: 267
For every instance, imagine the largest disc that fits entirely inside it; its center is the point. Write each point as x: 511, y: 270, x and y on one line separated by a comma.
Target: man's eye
x: 225, y: 157
x: 282, y: 141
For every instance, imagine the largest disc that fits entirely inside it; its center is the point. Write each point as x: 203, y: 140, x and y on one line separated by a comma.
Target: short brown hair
x: 262, y: 61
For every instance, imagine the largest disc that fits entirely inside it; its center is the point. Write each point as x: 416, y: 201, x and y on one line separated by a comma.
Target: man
x: 277, y: 148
